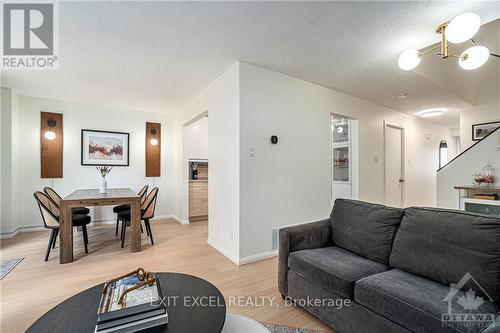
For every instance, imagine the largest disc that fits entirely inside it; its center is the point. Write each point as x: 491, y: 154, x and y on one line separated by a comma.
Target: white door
x: 394, y: 166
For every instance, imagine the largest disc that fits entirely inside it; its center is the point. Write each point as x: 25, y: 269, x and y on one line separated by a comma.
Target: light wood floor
x: 35, y: 286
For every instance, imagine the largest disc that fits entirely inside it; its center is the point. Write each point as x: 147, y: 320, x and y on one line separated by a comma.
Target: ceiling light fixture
x: 431, y: 113
x: 461, y: 29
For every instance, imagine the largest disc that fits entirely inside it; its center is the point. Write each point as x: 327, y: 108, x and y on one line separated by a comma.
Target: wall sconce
x: 50, y: 134
x: 461, y: 29
x: 153, y: 140
x: 443, y: 153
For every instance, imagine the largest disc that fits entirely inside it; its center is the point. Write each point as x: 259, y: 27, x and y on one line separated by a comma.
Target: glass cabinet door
x: 341, y: 164
x: 340, y: 130
x: 484, y: 209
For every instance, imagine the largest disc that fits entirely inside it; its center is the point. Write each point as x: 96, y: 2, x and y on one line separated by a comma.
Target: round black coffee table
x: 199, y: 307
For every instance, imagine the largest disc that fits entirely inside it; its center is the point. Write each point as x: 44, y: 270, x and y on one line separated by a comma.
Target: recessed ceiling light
x: 402, y: 95
x: 431, y: 113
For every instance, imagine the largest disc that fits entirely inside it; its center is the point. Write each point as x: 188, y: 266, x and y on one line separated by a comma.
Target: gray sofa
x: 395, y: 268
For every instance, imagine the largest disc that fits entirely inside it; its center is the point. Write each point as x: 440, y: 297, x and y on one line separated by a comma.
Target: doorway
x: 196, y: 166
x: 394, y: 150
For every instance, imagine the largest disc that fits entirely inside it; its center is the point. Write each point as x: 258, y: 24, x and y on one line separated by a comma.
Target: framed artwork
x: 479, y: 131
x: 105, y: 148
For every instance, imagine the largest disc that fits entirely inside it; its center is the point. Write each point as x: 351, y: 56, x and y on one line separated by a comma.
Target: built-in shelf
x: 478, y: 188
x: 198, y: 180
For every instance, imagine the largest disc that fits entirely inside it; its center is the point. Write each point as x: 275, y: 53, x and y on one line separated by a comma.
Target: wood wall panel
x: 153, y: 153
x: 51, y: 151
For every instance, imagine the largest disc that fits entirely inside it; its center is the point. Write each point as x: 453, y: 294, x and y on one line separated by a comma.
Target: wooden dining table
x: 92, y: 197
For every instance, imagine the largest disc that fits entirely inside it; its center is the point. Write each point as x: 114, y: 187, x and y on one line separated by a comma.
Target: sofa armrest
x: 301, y: 237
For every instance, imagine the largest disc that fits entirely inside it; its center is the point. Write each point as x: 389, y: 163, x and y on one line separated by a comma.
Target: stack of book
x: 143, y: 307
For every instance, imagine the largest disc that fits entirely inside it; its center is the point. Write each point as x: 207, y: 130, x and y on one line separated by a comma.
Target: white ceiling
x: 155, y: 56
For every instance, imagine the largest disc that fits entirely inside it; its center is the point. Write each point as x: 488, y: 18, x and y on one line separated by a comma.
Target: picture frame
x: 104, y: 148
x: 479, y: 131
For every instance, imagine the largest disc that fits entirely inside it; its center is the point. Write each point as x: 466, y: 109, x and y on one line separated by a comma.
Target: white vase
x: 103, y: 188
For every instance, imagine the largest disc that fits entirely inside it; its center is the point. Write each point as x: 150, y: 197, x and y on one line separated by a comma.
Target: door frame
x: 353, y: 156
x: 403, y: 161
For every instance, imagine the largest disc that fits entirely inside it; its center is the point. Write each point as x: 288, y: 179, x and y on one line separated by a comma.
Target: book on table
x: 131, y: 303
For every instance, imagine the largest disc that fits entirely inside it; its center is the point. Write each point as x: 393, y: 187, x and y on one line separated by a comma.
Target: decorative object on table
x: 6, y: 266
x: 194, y: 170
x: 104, y: 171
x: 488, y: 173
x: 51, y: 145
x: 130, y: 303
x: 79, y: 312
x: 479, y: 131
x: 273, y: 328
x: 477, y: 179
x: 153, y: 149
x: 103, y: 147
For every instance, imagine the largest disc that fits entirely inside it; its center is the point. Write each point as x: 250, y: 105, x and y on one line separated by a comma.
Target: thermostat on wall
x: 274, y: 139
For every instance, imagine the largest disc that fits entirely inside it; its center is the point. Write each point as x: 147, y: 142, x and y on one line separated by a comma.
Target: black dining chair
x: 147, y: 212
x: 122, y: 208
x: 50, y: 217
x: 56, y: 198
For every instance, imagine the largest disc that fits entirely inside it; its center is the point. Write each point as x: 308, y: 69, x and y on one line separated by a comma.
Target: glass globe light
x: 474, y: 57
x: 409, y: 59
x: 50, y: 135
x: 462, y: 28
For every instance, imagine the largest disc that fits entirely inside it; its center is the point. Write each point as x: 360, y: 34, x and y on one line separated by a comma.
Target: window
x: 443, y: 154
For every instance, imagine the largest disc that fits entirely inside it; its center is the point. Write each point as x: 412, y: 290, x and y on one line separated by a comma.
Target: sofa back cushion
x: 444, y: 245
x: 364, y: 228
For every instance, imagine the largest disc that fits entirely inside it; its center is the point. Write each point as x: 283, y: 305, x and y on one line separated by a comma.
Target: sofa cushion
x: 364, y: 228
x: 415, y: 302
x: 444, y: 245
x: 333, y: 268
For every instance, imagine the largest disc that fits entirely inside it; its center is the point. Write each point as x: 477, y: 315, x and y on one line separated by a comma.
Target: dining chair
x: 122, y: 208
x: 147, y: 212
x: 56, y: 198
x: 50, y: 217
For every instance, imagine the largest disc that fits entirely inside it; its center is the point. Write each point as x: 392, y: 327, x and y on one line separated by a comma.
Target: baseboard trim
x: 173, y: 217
x: 257, y: 257
x: 223, y: 251
x: 12, y: 234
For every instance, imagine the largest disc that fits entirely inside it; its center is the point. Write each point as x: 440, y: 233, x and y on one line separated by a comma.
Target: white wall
x: 460, y: 171
x: 5, y: 159
x: 476, y: 115
x: 221, y: 99
x: 82, y: 116
x: 196, y: 140
x: 289, y: 183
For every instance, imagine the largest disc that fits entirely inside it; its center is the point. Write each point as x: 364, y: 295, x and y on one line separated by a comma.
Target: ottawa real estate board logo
x: 30, y: 36
x: 469, y: 305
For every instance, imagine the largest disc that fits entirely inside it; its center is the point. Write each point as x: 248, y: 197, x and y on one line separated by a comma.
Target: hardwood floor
x: 35, y: 286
